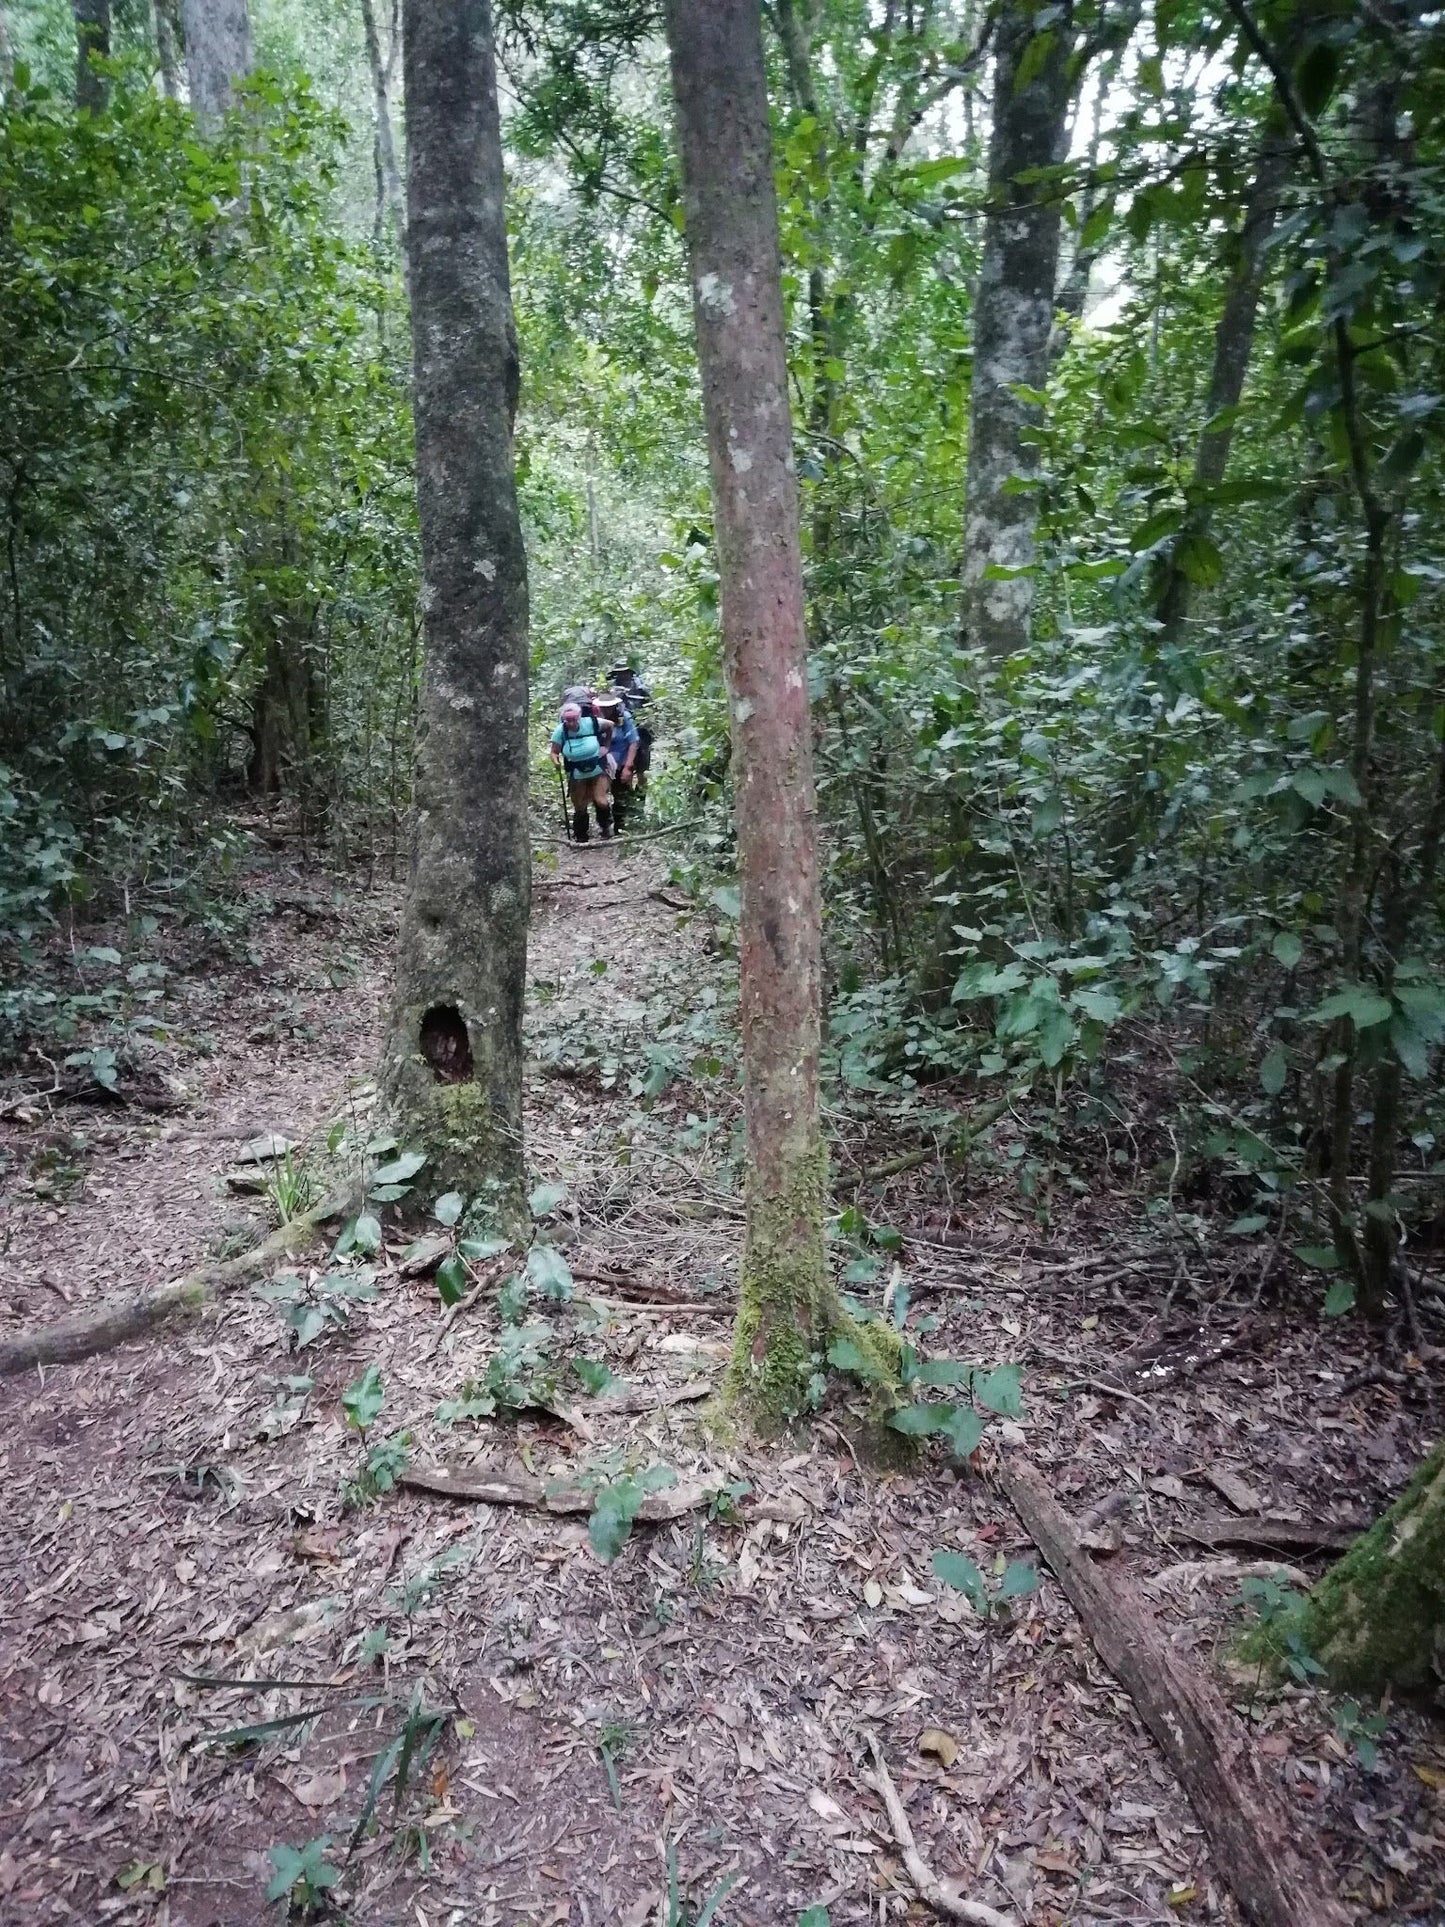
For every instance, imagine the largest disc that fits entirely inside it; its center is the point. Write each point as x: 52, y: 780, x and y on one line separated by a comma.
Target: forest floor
x: 566, y: 1731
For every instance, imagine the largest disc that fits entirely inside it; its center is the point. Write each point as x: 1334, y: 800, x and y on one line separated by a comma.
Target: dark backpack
x: 585, y: 699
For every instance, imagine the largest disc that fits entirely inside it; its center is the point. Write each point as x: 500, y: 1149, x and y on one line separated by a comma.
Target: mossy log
x: 117, y: 1321
x: 1377, y: 1617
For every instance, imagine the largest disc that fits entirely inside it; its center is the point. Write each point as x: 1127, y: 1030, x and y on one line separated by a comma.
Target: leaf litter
x: 211, y: 1659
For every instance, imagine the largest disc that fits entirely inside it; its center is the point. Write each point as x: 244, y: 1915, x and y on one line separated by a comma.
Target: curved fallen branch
x: 116, y: 1321
x: 1257, y: 1842
x: 941, y: 1895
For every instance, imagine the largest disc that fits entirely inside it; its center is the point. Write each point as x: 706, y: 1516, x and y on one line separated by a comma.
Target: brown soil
x: 175, y: 1515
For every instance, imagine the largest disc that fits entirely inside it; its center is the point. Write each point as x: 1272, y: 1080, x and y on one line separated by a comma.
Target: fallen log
x: 568, y: 1496
x: 1254, y: 1835
x: 116, y: 1321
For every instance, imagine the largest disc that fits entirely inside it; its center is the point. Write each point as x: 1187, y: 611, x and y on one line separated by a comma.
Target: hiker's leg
x: 577, y: 793
x: 603, y: 794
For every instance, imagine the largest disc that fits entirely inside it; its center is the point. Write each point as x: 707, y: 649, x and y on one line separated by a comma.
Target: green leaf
x: 452, y: 1279
x: 944, y: 1371
x: 362, y: 1401
x: 290, y: 1868
x: 365, y: 1233
x: 613, y: 1511
x: 815, y: 1916
x: 1402, y: 459
x: 545, y: 1199
x: 964, y: 1432
x: 1363, y: 1006
x: 1246, y: 1227
x: 1102, y: 1005
x: 1273, y: 1070
x: 917, y: 1421
x: 550, y: 1272
x: 728, y: 899
x: 400, y: 1170
x: 1287, y: 948
x: 1201, y: 561
x: 448, y: 1208
x: 1339, y: 1298
x: 1018, y: 1579
x: 845, y: 1356
x: 1318, y: 1257
x: 1001, y: 1391
x: 474, y: 1250
x: 596, y: 1376
x: 956, y: 1569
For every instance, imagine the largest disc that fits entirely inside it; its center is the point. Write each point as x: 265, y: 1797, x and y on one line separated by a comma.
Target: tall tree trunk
x: 453, y: 1066
x: 385, y: 140
x: 92, y: 43
x: 787, y: 1307
x: 7, y: 55
x: 1013, y: 319
x: 1233, y: 342
x: 167, y: 48
x: 218, y: 54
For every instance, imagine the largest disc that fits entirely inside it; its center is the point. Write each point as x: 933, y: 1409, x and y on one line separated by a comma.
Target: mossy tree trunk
x: 92, y: 43
x: 453, y: 1069
x: 787, y: 1305
x: 1377, y: 1618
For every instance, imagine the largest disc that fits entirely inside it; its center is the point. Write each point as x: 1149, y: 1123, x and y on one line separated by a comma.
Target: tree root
x: 941, y: 1895
x: 116, y: 1321
x: 486, y: 1487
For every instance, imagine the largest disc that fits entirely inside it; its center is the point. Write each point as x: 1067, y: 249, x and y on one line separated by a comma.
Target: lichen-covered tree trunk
x: 218, y: 53
x: 453, y: 1069
x: 92, y: 43
x: 1377, y: 1618
x: 1013, y: 320
x: 787, y: 1306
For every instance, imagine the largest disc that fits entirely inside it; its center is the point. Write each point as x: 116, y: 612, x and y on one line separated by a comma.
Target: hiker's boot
x: 604, y: 820
x: 579, y: 826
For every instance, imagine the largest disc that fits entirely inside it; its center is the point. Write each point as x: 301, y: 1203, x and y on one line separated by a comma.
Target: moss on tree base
x: 468, y: 1149
x: 1377, y: 1617
x: 790, y: 1311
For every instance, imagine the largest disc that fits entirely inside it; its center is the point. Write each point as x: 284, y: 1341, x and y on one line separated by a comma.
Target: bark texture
x: 390, y: 195
x: 786, y: 1305
x: 7, y: 56
x: 1256, y: 1839
x: 1377, y: 1618
x: 92, y: 43
x: 454, y: 1058
x: 167, y: 46
x: 1013, y: 321
x: 218, y: 54
x: 1233, y: 343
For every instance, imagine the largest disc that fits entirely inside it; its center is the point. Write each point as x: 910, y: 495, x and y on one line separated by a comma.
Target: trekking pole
x: 566, y: 812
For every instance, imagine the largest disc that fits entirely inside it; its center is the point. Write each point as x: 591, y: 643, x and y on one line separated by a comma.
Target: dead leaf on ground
x: 942, y: 1746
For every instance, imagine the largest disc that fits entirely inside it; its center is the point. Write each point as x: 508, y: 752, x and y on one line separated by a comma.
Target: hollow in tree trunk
x: 1377, y: 1618
x: 453, y: 1068
x: 1013, y: 320
x: 788, y: 1307
x: 218, y: 54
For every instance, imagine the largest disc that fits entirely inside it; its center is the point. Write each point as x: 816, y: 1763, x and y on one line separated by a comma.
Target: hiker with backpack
x: 579, y: 751
x: 621, y: 740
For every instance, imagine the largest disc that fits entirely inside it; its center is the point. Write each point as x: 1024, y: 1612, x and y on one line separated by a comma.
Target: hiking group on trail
x: 602, y: 753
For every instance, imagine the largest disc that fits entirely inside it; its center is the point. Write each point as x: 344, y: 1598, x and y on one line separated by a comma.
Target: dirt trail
x: 175, y: 1518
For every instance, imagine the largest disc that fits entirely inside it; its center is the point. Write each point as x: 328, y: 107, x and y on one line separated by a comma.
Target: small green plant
x: 616, y: 1738
x: 320, y: 1305
x: 362, y: 1401
x: 303, y: 1879
x: 290, y: 1189
x: 1361, y: 1731
x: 1015, y: 1581
x: 679, y: 1911
x: 1276, y: 1637
x: 616, y: 1504
x: 384, y: 1464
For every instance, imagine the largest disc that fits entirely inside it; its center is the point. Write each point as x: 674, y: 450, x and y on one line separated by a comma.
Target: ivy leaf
x: 448, y: 1208
x: 964, y: 1432
x: 1018, y: 1580
x: 545, y: 1199
x: 1363, y: 1006
x: 1318, y: 1257
x: 1287, y: 948
x: 917, y: 1421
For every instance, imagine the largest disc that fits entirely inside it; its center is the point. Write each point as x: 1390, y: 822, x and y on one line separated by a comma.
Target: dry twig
x: 941, y: 1895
